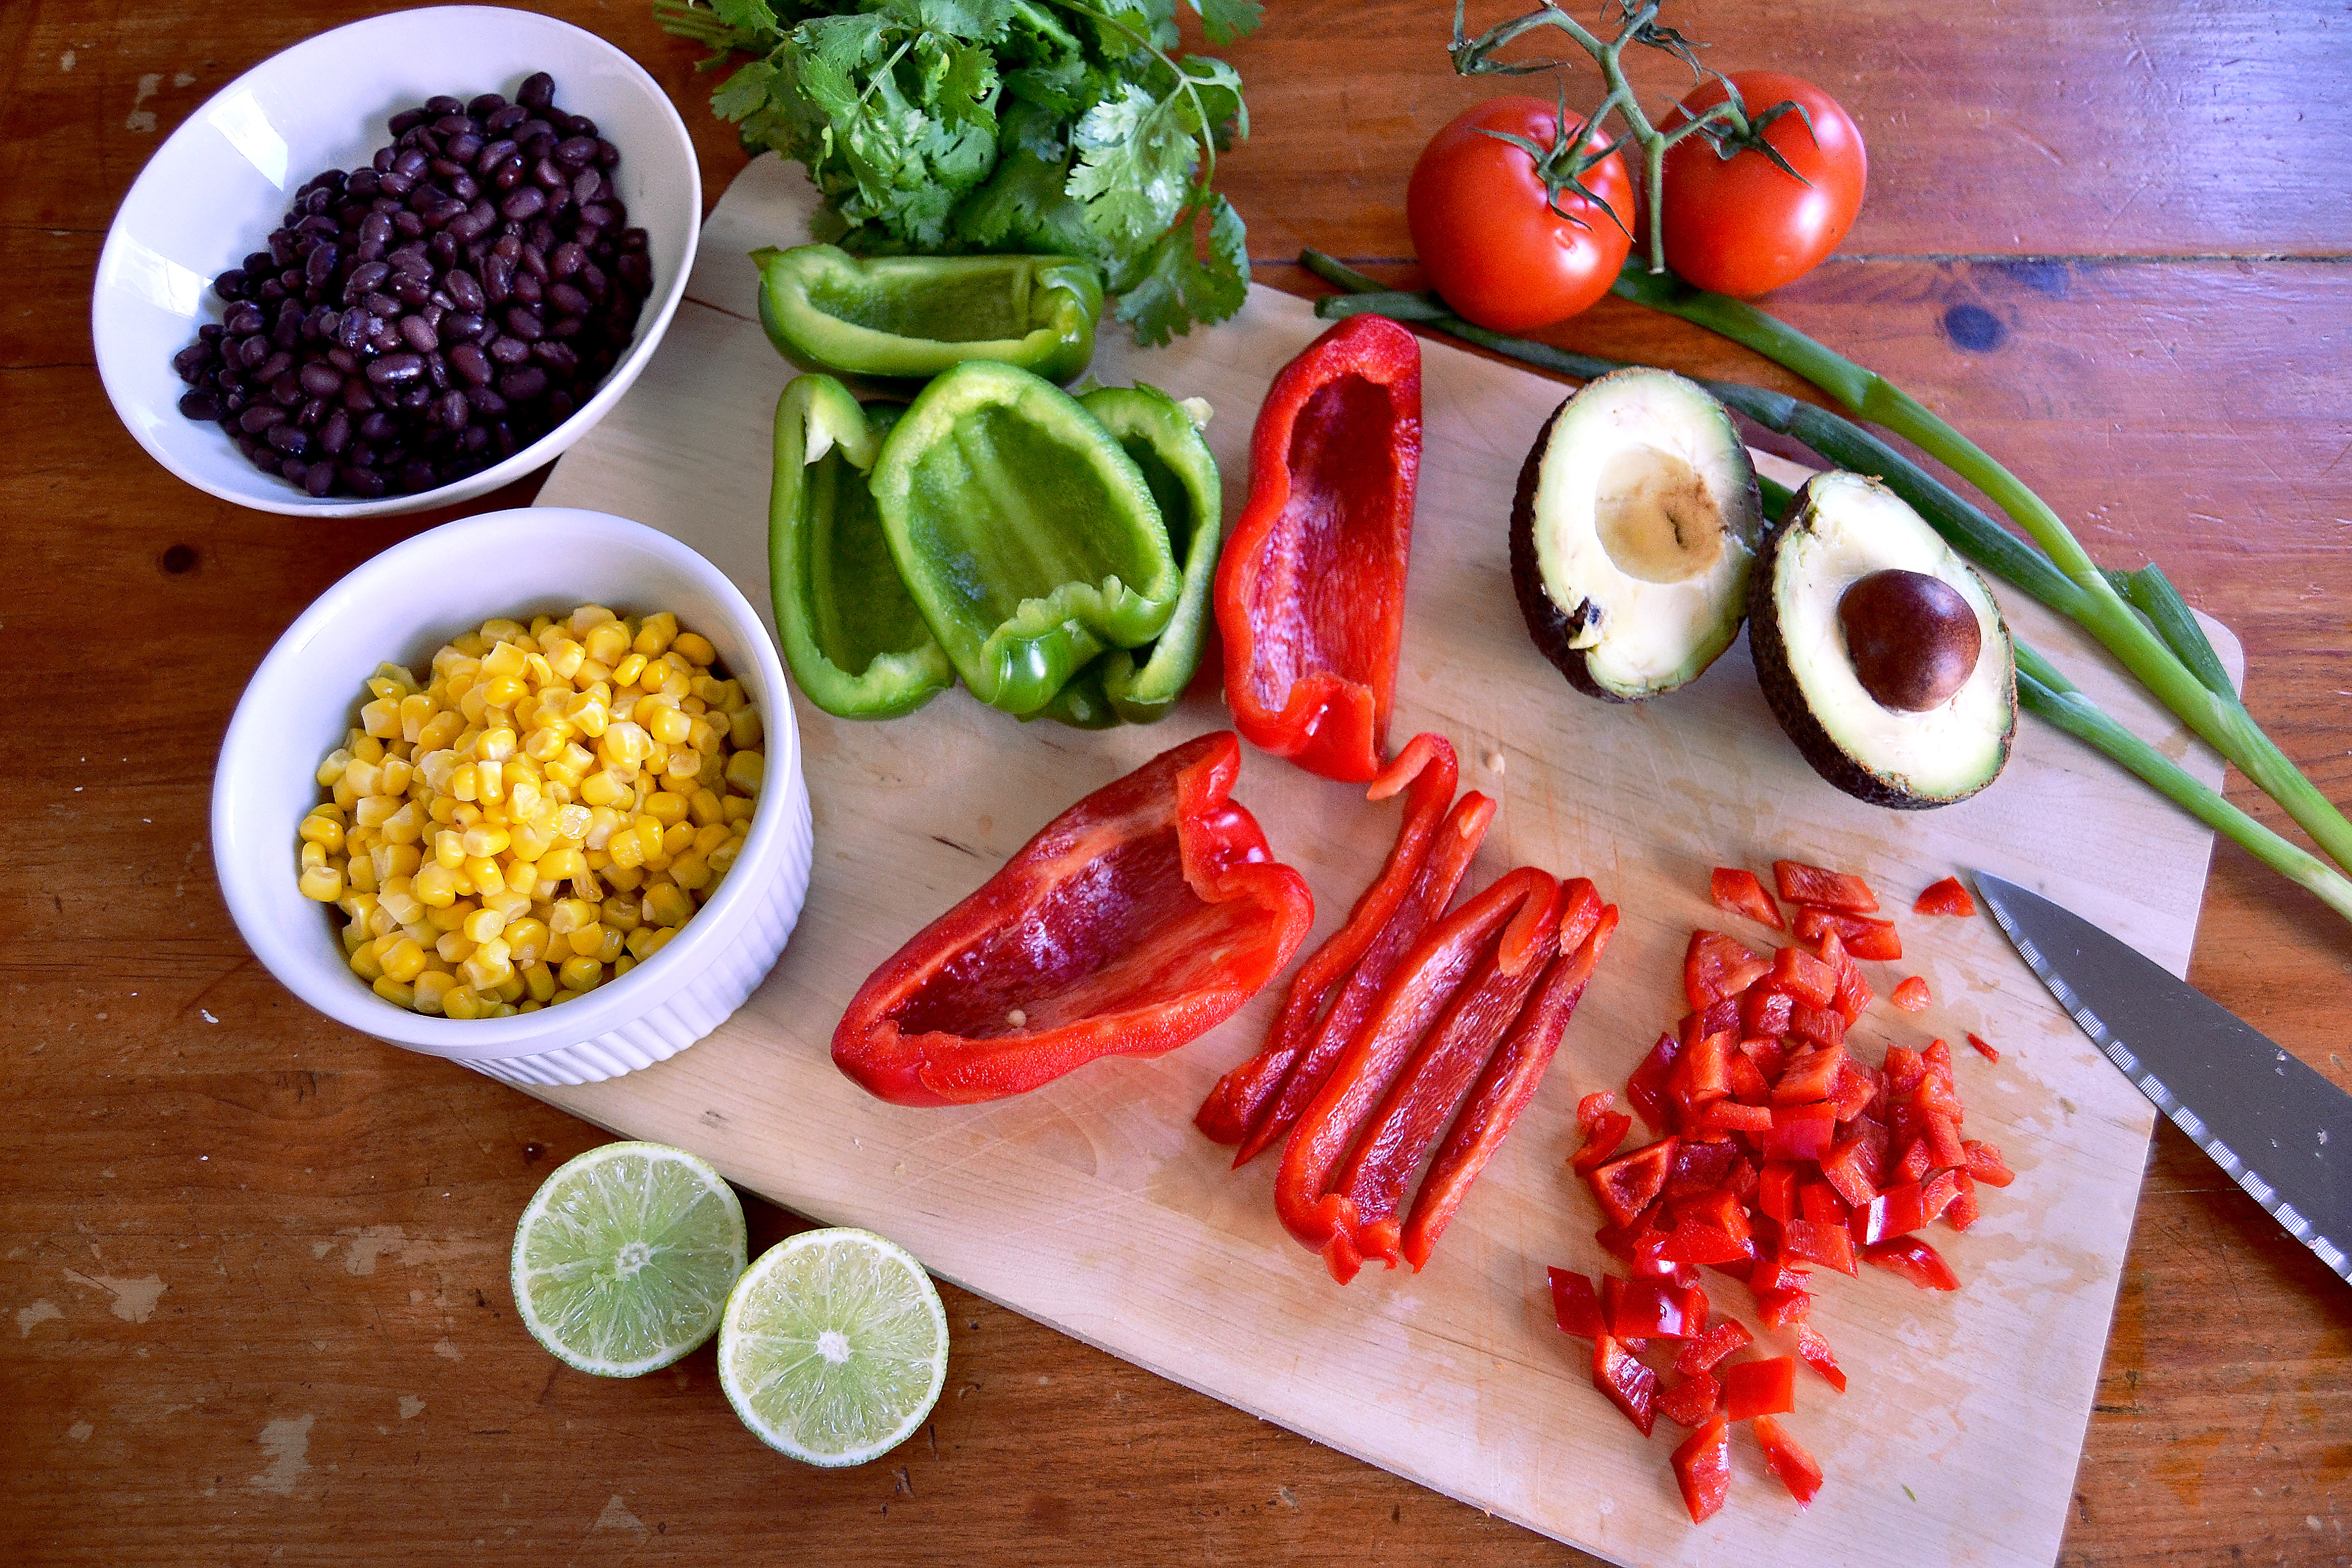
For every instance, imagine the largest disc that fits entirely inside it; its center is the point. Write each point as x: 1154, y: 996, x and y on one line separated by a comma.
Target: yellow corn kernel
x: 538, y: 980
x: 323, y: 830
x: 484, y: 838
x: 624, y: 745
x: 484, y: 873
x: 360, y: 874
x: 394, y: 860
x: 581, y: 974
x: 588, y: 714
x: 373, y: 810
x: 569, y: 915
x: 604, y: 787
x: 620, y: 914
x: 488, y: 968
x: 691, y: 872
x: 697, y: 648
x: 586, y: 939
x: 381, y: 719
x: 665, y: 809
x: 622, y: 964
x: 659, y: 939
x: 655, y: 635
x: 545, y: 743
x: 430, y: 987
x: 614, y: 945
x: 332, y: 768
x: 324, y: 883
x: 640, y: 942
x: 710, y: 691
x: 405, y: 825
x: 461, y: 1001
x: 510, y: 990
x: 449, y: 848
x: 314, y: 859
x: 564, y: 657
x: 484, y: 924
x: 440, y: 729
x: 367, y: 962
x: 626, y: 671
x: 557, y: 865
x: 416, y: 712
x: 528, y: 939
x: 746, y: 729
x: 669, y: 726
x: 625, y: 878
x: 666, y: 904
x: 503, y: 692
x: 436, y: 886
x: 489, y: 780
x: 607, y: 643
x: 710, y: 839
x: 503, y: 628
x: 404, y: 961
x: 738, y: 809
x: 394, y: 992
x: 363, y: 777
x: 677, y: 838
x: 507, y: 660
x: 626, y: 850
x: 454, y: 947
x: 364, y: 747
x: 746, y: 771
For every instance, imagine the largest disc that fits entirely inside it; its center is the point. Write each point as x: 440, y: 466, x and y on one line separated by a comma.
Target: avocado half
x: 1943, y: 731
x: 1632, y: 534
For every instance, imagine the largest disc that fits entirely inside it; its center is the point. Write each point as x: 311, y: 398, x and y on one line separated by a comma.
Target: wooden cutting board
x: 1095, y: 1206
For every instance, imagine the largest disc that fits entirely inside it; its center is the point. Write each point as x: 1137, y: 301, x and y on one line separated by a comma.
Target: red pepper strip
x: 1983, y: 1050
x: 1137, y: 920
x: 1700, y: 1354
x: 1647, y: 1086
x: 1963, y: 1211
x: 1310, y: 587
x: 1756, y: 1388
x: 1449, y: 858
x: 1986, y: 1165
x: 1427, y: 1088
x: 1945, y: 898
x: 1803, y: 884
x: 1864, y: 937
x: 1738, y: 892
x: 1630, y: 1385
x: 1799, y: 1470
x: 1427, y: 768
x: 1816, y: 1351
x: 1574, y: 1307
x: 1517, y: 904
x: 1915, y: 1260
x: 1702, y: 1468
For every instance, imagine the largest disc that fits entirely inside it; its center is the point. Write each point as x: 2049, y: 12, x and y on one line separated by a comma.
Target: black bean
x: 576, y: 151
x: 419, y: 333
x: 510, y: 351
x: 460, y: 327
x: 289, y: 438
x: 580, y: 125
x: 523, y: 323
x: 523, y: 203
x: 550, y: 175
x: 455, y: 123
x: 486, y: 402
x: 320, y: 265
x: 312, y: 412
x: 465, y: 187
x: 493, y: 153
x: 377, y: 426
x: 473, y: 223
x: 410, y: 164
x: 523, y: 385
x: 441, y: 104
x: 501, y: 120
x: 598, y: 215
x: 392, y: 370
x: 568, y: 299
x: 439, y: 213
x: 557, y: 359
x: 527, y: 288
x: 320, y: 379
x: 498, y: 277
x: 190, y: 362
x: 407, y: 224
x: 470, y: 362
x: 452, y: 409
x: 320, y: 479
x: 608, y: 154
x: 636, y: 271
x: 406, y: 119
x: 200, y: 404
x: 244, y: 319
x: 357, y: 394
x: 261, y: 416
x: 463, y: 289
x: 485, y: 105
x: 285, y: 390
x: 538, y: 90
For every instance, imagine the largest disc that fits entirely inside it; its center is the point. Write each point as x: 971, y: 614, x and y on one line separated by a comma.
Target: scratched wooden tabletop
x: 256, y: 1263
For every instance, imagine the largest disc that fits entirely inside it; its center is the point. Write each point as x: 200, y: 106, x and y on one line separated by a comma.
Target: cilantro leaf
x: 1225, y: 20
x: 1178, y: 287
x: 1135, y: 166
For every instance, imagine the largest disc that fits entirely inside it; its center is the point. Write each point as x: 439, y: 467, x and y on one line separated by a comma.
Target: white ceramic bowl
x: 217, y: 187
x: 400, y: 607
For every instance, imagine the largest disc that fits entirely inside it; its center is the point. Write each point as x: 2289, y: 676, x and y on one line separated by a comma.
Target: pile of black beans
x: 419, y: 320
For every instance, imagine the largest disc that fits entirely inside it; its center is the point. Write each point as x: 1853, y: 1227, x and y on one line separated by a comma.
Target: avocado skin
x: 1550, y: 626
x: 1787, y: 698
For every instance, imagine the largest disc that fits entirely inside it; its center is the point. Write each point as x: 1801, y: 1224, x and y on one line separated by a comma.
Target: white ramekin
x: 400, y: 607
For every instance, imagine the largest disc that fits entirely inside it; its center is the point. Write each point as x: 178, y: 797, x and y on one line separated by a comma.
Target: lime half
x: 834, y: 1346
x: 623, y: 1261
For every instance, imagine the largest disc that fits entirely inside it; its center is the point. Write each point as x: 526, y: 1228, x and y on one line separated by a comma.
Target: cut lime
x: 834, y: 1346
x: 623, y: 1260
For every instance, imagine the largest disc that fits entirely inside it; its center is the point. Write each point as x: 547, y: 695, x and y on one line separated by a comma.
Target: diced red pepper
x: 1831, y: 1245
x: 1985, y: 1163
x: 1805, y: 977
x: 1983, y: 1050
x: 1652, y: 1310
x: 1630, y: 1385
x: 1843, y: 1166
x: 1581, y: 909
x: 1731, y: 1116
x: 1820, y: 1203
x: 1698, y: 1245
x: 1703, y: 1469
x: 1799, y: 1131
x: 1592, y: 1107
x: 1815, y: 1351
x: 1765, y: 1010
x: 1574, y: 1306
x: 1647, y: 1086
x: 1899, y: 1210
x: 1910, y: 1167
x: 1810, y: 1078
x: 1691, y: 1400
x: 1503, y: 1088
x: 1964, y: 1210
x: 1863, y: 937
x: 1426, y: 771
x: 1803, y: 884
x: 1310, y: 584
x: 1753, y: 1388
x: 1702, y: 1073
x: 1799, y: 1470
x: 1137, y: 920
x: 1699, y: 1167
x: 1911, y: 994
x: 1915, y: 1260
x: 1626, y: 1185
x: 1824, y: 1026
x: 1776, y: 1192
x: 1783, y: 1309
x: 1944, y: 1149
x: 1711, y: 1347
x: 1945, y: 897
x: 1747, y: 1080
x: 1601, y: 1142
x: 1507, y: 920
x: 1715, y: 966
x: 1902, y: 1071
x: 1717, y: 1018
x: 1855, y: 1088
x: 1768, y: 1055
x: 1738, y: 892
x: 1457, y: 840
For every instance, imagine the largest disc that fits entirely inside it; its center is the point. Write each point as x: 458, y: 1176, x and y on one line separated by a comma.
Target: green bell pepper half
x: 856, y: 646
x: 902, y: 319
x: 1139, y: 686
x: 1027, y: 536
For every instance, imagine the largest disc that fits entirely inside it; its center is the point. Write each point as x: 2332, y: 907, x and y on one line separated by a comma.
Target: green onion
x: 2041, y: 689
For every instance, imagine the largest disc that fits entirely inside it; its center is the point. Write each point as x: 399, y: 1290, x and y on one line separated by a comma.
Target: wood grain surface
x: 256, y: 1264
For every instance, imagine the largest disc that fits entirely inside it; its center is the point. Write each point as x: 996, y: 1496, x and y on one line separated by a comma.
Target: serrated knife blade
x: 2272, y: 1124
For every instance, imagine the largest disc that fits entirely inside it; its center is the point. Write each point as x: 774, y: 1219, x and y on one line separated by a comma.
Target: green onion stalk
x: 2164, y: 635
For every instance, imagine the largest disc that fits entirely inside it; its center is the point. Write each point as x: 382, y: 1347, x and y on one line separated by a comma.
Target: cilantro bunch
x: 1068, y: 127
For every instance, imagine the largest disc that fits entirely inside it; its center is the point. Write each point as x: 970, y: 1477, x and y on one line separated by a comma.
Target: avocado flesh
x: 1840, y: 528
x: 1633, y: 532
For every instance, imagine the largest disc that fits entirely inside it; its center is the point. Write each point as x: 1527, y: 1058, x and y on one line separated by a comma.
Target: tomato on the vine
x: 1482, y: 223
x: 1741, y: 226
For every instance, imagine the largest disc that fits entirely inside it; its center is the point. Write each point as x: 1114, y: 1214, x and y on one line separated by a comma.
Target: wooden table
x: 257, y: 1263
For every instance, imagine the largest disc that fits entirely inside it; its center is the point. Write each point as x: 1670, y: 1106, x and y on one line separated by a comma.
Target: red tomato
x: 1741, y: 226
x: 1484, y: 227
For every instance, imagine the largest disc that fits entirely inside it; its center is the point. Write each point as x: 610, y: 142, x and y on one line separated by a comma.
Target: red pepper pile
x: 1782, y: 1152
x: 1408, y: 1016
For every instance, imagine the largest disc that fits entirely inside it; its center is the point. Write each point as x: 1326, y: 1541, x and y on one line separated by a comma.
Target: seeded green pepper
x: 905, y: 319
x: 1025, y: 535
x: 856, y: 646
x: 1139, y: 686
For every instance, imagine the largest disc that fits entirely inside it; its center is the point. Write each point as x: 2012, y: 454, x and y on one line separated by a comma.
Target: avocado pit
x: 1912, y: 638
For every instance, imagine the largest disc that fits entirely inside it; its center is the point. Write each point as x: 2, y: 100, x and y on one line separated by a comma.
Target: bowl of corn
x: 523, y: 792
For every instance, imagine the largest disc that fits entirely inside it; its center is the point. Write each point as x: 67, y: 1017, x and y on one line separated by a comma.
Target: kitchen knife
x: 2276, y: 1126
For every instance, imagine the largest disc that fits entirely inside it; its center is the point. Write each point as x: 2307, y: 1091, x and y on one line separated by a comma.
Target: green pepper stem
x: 2219, y: 718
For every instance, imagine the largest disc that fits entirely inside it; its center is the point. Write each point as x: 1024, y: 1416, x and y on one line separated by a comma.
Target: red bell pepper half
x: 1702, y: 1468
x: 1310, y: 587
x: 1426, y: 771
x: 1137, y: 920
x: 1514, y: 915
x: 1799, y: 1470
x: 1508, y: 1081
x: 1945, y: 898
